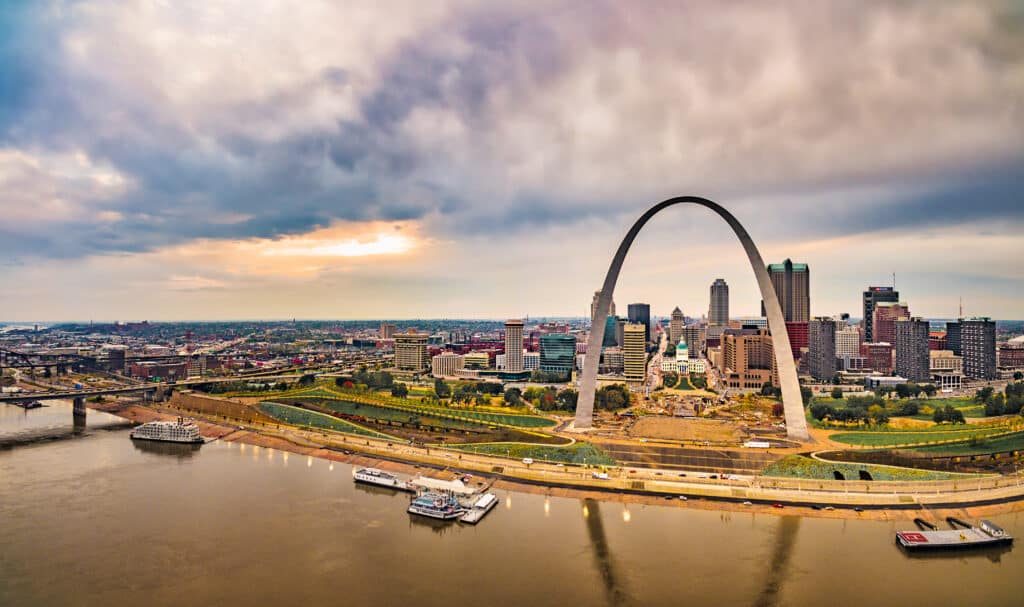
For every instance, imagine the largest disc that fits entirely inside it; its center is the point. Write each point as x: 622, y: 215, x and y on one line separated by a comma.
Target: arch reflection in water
x: 778, y: 563
x: 602, y: 555
x: 179, y: 450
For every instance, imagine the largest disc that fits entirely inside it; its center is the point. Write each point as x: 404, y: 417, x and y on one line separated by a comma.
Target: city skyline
x: 179, y: 162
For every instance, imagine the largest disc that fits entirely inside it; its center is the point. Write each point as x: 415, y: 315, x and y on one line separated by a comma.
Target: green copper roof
x: 781, y: 267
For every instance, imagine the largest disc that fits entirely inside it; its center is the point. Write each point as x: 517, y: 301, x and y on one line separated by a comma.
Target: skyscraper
x: 718, y: 311
x: 640, y: 313
x: 387, y: 330
x: 821, y: 349
x: 557, y: 353
x: 871, y: 298
x: 953, y: 342
x: 885, y: 316
x: 593, y: 306
x: 912, y: 354
x: 694, y: 337
x: 978, y: 344
x: 611, y: 337
x: 792, y: 282
x: 634, y: 353
x: 411, y: 351
x: 748, y: 359
x: 513, y: 346
x: 675, y: 326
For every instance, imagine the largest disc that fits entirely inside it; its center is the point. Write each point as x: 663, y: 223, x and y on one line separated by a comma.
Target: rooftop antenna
x: 894, y: 281
x: 961, y: 307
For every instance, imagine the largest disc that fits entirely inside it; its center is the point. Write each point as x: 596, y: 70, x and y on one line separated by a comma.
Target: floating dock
x: 480, y: 508
x: 985, y: 535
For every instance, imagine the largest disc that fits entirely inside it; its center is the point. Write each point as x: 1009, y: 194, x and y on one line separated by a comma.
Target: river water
x: 87, y: 517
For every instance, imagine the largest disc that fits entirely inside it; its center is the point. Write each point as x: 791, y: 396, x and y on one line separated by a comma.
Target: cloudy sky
x: 264, y: 159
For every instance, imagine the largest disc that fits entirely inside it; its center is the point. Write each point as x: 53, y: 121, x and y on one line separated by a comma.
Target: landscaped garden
x: 798, y: 466
x: 576, y: 453
x: 917, y: 437
x: 303, y: 417
x: 977, y: 446
x: 410, y: 406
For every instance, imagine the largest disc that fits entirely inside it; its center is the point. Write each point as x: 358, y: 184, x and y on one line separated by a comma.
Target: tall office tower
x: 953, y: 341
x: 593, y: 306
x: 620, y: 326
x: 718, y: 311
x: 847, y: 342
x: 747, y: 361
x: 912, y: 354
x: 387, y: 330
x: 446, y: 364
x: 411, y: 351
x: 675, y: 326
x: 693, y: 335
x: 871, y: 298
x: 557, y: 353
x: 513, y: 346
x: 884, y: 319
x: 610, y: 332
x: 634, y: 353
x: 978, y: 343
x: 821, y: 349
x: 792, y: 282
x: 640, y: 313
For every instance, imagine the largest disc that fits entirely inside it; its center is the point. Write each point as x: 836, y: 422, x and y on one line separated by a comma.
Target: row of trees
x: 1008, y: 403
x: 909, y: 390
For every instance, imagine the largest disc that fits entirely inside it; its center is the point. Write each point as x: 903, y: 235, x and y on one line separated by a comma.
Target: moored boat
x: 179, y: 431
x: 436, y: 505
x: 987, y: 534
x: 373, y: 476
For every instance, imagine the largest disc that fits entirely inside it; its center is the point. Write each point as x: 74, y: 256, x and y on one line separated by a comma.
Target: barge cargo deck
x: 986, y: 535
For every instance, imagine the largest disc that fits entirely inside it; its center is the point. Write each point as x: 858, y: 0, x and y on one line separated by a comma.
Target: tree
x: 566, y: 399
x: 948, y: 414
x: 778, y: 409
x: 806, y: 394
x: 820, y: 411
x: 1017, y: 376
x: 930, y: 390
x: 513, y: 397
x: 698, y: 381
x: 669, y: 380
x: 307, y: 380
x: 399, y: 390
x: 983, y: 395
x: 615, y: 396
x: 878, y: 414
x: 442, y: 389
x: 837, y: 393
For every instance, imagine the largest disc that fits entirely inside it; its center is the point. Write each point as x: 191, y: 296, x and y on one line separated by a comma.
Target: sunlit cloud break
x: 304, y: 246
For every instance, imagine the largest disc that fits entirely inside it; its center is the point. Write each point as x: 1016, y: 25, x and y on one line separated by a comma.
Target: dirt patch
x: 674, y: 428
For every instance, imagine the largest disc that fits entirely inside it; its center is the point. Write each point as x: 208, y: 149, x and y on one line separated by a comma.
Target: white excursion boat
x: 436, y: 505
x: 180, y: 431
x: 373, y: 476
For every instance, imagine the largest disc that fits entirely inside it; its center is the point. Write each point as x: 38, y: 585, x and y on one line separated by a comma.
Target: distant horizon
x: 852, y: 319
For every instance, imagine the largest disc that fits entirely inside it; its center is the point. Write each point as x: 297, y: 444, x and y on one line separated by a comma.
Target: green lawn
x: 1010, y: 442
x: 684, y: 383
x: 927, y: 435
x: 387, y: 415
x: 302, y: 417
x: 576, y: 453
x: 798, y: 466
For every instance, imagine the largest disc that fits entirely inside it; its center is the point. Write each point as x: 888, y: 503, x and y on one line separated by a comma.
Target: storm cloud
x: 131, y: 127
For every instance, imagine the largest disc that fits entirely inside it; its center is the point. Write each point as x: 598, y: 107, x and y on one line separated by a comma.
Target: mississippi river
x: 87, y: 517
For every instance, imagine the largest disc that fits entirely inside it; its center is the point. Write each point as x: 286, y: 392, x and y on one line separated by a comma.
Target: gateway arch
x: 796, y: 423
